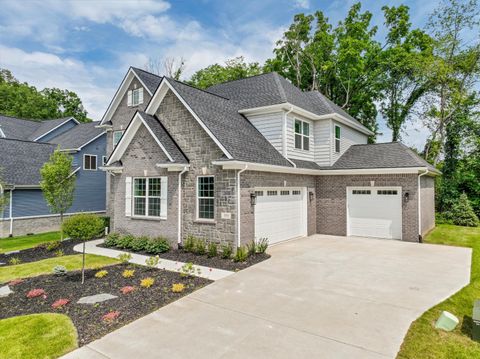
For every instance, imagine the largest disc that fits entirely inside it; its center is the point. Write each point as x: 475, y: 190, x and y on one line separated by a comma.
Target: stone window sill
x: 205, y: 221
x: 149, y: 218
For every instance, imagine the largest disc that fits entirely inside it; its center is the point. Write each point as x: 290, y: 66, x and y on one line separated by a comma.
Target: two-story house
x: 255, y: 158
x: 25, y: 145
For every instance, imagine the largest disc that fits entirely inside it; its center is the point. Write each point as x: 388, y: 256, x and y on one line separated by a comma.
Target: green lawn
x: 45, y: 266
x: 37, y: 336
x: 423, y: 340
x: 23, y: 242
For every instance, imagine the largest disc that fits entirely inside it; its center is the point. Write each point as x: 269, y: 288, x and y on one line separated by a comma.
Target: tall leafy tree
x: 233, y: 69
x: 67, y: 103
x: 58, y: 183
x: 405, y: 59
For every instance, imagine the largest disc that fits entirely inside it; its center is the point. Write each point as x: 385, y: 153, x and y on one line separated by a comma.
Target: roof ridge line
x: 28, y: 141
x: 170, y: 136
x: 283, y: 94
x: 244, y: 78
x: 199, y: 89
x: 148, y: 72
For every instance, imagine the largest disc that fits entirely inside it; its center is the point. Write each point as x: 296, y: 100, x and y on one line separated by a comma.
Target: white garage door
x: 374, y: 212
x: 280, y: 213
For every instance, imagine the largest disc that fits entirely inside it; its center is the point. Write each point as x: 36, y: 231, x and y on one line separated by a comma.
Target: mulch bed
x: 39, y: 252
x: 179, y: 255
x: 87, y: 318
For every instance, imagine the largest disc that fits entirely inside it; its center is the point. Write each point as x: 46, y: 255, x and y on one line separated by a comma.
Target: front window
x: 206, y: 197
x: 90, y: 162
x: 117, y: 135
x: 337, y: 138
x: 136, y: 98
x: 302, y: 135
x: 147, y: 197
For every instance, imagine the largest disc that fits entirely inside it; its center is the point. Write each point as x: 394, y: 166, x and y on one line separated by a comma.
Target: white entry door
x: 374, y: 212
x: 280, y: 213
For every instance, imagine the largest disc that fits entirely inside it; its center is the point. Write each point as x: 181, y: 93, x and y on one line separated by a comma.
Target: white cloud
x: 303, y: 4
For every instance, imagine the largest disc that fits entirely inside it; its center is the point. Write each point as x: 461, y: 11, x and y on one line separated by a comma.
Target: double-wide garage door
x: 374, y: 212
x: 280, y: 213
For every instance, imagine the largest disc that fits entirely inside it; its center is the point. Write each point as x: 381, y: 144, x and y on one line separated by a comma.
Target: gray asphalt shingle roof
x: 164, y: 137
x: 25, y: 129
x: 78, y: 136
x: 46, y: 126
x: 20, y: 161
x: 150, y: 80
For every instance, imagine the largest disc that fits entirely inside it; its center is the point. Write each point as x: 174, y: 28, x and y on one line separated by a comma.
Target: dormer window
x: 337, y: 138
x: 302, y: 135
x: 135, y: 97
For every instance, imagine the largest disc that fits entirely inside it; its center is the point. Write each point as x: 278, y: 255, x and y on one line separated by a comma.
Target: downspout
x: 179, y: 214
x: 238, y: 204
x: 284, y: 132
x: 10, y: 209
x: 420, y: 207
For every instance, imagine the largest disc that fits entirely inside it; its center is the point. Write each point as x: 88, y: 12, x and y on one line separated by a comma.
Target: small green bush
x: 14, y: 261
x: 125, y: 242
x: 59, y: 270
x: 241, y: 254
x: 462, y: 213
x: 200, y: 247
x: 212, y: 250
x: 124, y: 257
x: 112, y: 239
x: 157, y: 245
x: 189, y: 243
x: 226, y: 251
x: 261, y: 245
x: 251, y: 248
x: 59, y: 253
x: 139, y: 243
x: 152, y: 262
x: 83, y: 226
x: 51, y: 246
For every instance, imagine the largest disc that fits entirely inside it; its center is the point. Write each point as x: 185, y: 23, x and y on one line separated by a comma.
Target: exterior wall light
x: 253, y: 199
x: 406, y: 197
x: 310, y: 196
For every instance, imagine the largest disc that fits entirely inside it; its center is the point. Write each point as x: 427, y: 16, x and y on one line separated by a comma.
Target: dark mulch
x: 179, y: 255
x: 39, y: 252
x: 87, y: 318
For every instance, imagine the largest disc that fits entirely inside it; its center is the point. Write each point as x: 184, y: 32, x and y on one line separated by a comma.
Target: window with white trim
x: 135, y: 97
x: 90, y: 162
x: 337, y: 138
x: 302, y: 135
x: 117, y: 135
x: 147, y: 196
x: 206, y: 197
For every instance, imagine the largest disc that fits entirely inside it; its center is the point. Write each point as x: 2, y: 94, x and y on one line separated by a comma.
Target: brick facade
x: 427, y: 195
x: 332, y: 201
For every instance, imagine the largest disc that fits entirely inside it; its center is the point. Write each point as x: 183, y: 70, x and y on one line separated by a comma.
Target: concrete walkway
x: 199, y: 271
x: 317, y: 297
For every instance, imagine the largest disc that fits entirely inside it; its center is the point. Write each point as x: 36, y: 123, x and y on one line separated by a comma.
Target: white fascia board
x: 90, y: 141
x: 2, y: 134
x: 128, y: 136
x: 53, y: 129
x: 174, y: 167
x: 307, y: 114
x: 160, y: 95
x: 237, y: 165
x: 111, y: 169
x: 120, y: 93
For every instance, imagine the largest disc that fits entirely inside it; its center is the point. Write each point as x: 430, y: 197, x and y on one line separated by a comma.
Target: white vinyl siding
x: 348, y: 137
x: 271, y: 127
x: 321, y: 135
x: 294, y: 152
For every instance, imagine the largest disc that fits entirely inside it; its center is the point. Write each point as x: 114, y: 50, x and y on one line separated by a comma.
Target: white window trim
x: 197, y: 217
x: 301, y: 134
x: 96, y: 163
x: 335, y: 139
x: 113, y: 138
x: 146, y: 215
x: 139, y: 92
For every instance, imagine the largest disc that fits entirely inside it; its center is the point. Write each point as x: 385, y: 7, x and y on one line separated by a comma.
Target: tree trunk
x: 83, y: 263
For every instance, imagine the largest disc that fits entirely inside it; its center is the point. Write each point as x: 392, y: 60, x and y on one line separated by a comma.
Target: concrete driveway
x: 317, y: 297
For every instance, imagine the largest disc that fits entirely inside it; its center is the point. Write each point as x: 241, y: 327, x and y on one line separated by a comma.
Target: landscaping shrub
x: 15, y: 282
x: 189, y: 243
x: 212, y: 250
x: 227, y: 251
x: 51, y: 246
x: 110, y: 316
x: 112, y: 239
x: 241, y: 254
x: 178, y: 287
x: 36, y: 293
x: 261, y: 245
x: 147, y: 282
x: 101, y: 274
x: 152, y: 262
x: 157, y: 245
x: 14, y: 260
x: 128, y: 273
x: 200, y: 247
x: 251, y: 248
x: 462, y: 213
x: 126, y: 241
x: 60, y: 270
x: 187, y: 269
x: 139, y: 243
x: 127, y: 289
x: 124, y: 257
x: 106, y: 221
x: 59, y: 253
x: 59, y: 303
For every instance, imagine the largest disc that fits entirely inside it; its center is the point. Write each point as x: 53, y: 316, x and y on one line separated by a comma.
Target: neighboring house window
x: 117, y: 135
x: 302, y: 135
x: 90, y: 162
x: 337, y: 138
x: 205, y: 197
x: 147, y: 197
x: 135, y: 97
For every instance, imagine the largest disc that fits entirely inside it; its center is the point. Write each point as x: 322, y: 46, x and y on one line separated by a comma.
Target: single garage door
x: 374, y: 212
x: 280, y: 213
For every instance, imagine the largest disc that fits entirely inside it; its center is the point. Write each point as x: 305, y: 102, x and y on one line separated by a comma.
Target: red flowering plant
x: 15, y: 282
x: 127, y: 289
x: 36, y: 293
x: 59, y: 303
x: 110, y: 316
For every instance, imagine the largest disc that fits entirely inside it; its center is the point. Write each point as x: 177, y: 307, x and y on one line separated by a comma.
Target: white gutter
x: 10, y: 209
x: 420, y: 205
x: 238, y: 204
x: 179, y: 214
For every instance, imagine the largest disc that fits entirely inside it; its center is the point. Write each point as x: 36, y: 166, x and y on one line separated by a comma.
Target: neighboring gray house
x: 25, y: 146
x: 254, y: 158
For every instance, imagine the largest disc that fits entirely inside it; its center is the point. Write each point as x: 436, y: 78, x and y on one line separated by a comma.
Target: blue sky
x: 87, y: 45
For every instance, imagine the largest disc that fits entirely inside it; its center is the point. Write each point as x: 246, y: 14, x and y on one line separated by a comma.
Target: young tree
x: 83, y: 227
x: 58, y: 183
x: 170, y: 66
x: 462, y: 213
